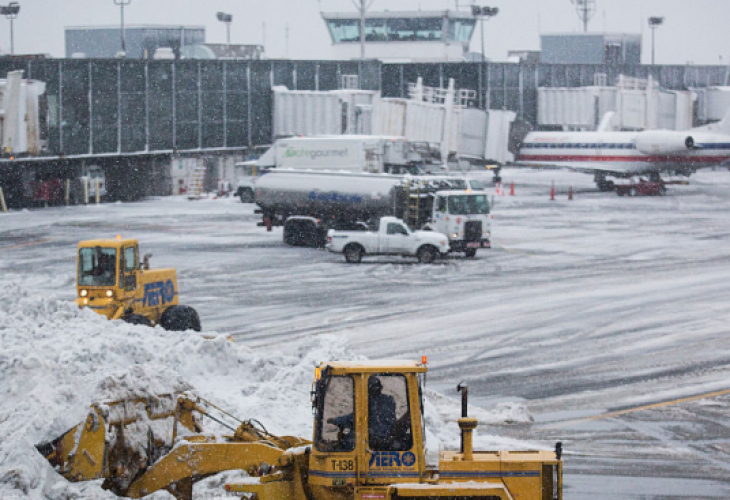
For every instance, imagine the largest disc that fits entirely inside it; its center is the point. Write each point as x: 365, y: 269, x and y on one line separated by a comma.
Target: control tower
x: 402, y: 36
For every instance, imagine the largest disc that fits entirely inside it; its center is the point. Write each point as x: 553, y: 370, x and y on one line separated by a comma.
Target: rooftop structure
x: 591, y: 48
x: 141, y: 40
x: 222, y: 51
x: 402, y: 36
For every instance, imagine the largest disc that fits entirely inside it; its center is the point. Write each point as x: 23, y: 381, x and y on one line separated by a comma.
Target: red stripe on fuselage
x: 645, y: 159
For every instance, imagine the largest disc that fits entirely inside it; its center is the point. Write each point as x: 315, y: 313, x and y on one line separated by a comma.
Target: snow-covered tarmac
x: 603, y: 319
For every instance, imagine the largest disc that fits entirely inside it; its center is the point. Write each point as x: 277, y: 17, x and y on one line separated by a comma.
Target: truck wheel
x: 136, y: 319
x: 180, y: 319
x: 470, y: 252
x: 246, y: 196
x: 620, y: 192
x: 427, y: 254
x: 353, y: 254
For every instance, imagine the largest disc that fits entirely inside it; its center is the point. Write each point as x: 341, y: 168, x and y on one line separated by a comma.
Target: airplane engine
x: 653, y: 142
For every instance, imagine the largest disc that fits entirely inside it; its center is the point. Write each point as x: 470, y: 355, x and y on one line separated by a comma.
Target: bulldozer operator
x: 386, y: 432
x: 381, y: 416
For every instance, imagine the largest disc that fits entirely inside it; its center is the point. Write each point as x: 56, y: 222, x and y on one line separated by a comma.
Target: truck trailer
x: 308, y: 204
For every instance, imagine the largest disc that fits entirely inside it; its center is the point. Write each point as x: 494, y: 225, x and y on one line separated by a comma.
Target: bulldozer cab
x: 108, y: 263
x: 368, y: 425
x: 97, y: 266
x: 107, y: 272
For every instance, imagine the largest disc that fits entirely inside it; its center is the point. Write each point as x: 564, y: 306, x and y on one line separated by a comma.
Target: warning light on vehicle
x: 424, y: 360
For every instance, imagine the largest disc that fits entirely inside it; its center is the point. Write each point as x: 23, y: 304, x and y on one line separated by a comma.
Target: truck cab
x: 464, y: 217
x: 111, y: 281
x: 247, y: 173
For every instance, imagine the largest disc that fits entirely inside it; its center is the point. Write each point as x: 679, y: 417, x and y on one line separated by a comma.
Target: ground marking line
x: 20, y: 245
x: 641, y: 408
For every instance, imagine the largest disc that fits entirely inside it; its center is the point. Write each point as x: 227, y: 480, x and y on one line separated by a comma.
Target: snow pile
x: 56, y: 360
x: 502, y: 414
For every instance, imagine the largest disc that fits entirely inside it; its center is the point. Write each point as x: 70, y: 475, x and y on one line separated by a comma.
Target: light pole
x: 654, y: 23
x: 121, y: 4
x: 362, y: 7
x: 226, y: 18
x: 11, y: 12
x: 482, y: 13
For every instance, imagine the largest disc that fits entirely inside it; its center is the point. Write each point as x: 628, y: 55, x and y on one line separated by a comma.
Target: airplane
x: 627, y: 154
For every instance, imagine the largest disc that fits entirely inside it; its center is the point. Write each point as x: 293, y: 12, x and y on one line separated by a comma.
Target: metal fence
x: 109, y: 106
x: 104, y: 106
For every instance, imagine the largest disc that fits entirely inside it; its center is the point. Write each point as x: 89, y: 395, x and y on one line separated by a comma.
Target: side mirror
x: 146, y: 261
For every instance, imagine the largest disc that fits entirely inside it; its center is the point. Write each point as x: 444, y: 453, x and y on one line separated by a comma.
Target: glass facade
x: 405, y: 29
x: 460, y: 30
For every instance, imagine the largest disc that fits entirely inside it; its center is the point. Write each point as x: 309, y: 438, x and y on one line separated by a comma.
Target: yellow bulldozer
x: 113, y: 282
x: 368, y: 444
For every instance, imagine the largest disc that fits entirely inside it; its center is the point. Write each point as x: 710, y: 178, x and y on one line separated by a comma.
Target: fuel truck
x: 309, y: 203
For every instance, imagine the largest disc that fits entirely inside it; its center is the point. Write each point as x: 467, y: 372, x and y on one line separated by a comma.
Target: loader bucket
x: 78, y: 454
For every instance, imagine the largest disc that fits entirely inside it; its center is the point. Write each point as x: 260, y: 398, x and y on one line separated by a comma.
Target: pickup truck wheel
x: 353, y: 254
x: 246, y: 196
x: 180, y: 319
x: 470, y: 252
x: 136, y: 319
x: 427, y: 254
x: 662, y: 190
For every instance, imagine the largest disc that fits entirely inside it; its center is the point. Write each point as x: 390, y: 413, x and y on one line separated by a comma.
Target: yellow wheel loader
x: 113, y: 282
x: 368, y: 444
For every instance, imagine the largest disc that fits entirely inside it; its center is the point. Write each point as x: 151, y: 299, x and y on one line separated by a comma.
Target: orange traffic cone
x: 552, y: 191
x: 512, y: 189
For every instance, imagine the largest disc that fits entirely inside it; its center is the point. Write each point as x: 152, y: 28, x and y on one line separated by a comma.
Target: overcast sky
x: 695, y: 31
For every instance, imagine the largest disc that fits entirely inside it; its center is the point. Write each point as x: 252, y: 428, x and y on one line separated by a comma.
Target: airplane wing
x: 582, y: 167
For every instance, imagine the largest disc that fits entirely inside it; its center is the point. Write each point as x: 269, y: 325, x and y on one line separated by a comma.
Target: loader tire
x: 136, y: 319
x: 180, y: 319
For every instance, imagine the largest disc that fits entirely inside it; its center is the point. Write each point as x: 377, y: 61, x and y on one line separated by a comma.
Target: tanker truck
x: 308, y: 204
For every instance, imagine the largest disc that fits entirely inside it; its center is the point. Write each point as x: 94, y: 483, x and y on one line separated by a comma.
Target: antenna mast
x: 586, y: 9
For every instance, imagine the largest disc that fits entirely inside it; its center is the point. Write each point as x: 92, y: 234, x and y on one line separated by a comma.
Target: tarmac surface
x: 606, y: 316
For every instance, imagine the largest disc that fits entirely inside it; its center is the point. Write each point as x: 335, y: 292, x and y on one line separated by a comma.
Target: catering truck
x: 348, y: 153
x: 308, y: 204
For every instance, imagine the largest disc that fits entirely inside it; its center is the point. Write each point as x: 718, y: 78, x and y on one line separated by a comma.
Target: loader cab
x: 368, y: 425
x: 106, y: 272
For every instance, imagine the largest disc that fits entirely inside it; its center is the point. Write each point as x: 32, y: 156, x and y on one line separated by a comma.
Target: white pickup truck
x: 391, y: 237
